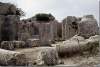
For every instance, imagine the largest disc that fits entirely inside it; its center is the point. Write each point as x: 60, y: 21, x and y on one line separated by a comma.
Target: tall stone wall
x: 45, y: 33
x: 8, y: 22
x: 54, y: 29
x: 88, y: 26
x: 69, y: 27
x: 7, y: 9
x: 38, y: 30
x: 29, y: 28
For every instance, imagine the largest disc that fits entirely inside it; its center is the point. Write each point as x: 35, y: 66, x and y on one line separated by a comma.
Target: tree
x: 20, y: 12
x: 44, y: 17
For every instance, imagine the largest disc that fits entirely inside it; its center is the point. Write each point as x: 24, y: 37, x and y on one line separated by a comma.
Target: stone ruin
x: 8, y: 22
x: 85, y: 26
x: 45, y: 32
x: 33, y: 32
x: 69, y: 27
x: 88, y: 26
x: 9, y: 18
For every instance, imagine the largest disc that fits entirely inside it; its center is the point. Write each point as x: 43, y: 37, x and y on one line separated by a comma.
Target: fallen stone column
x: 12, y: 58
x: 74, y: 46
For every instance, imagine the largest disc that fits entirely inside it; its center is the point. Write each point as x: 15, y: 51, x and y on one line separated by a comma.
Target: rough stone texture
x: 33, y: 42
x: 11, y: 45
x: 78, y: 44
x: 77, y: 38
x: 54, y: 30
x: 69, y: 27
x: 59, y: 31
x: 29, y: 28
x: 12, y: 58
x: 35, y: 54
x: 37, y: 30
x: 2, y: 19
x: 88, y: 26
x: 9, y: 18
x: 8, y: 27
x: 45, y: 31
x: 7, y: 9
x: 50, y: 57
x: 24, y: 36
x: 7, y: 45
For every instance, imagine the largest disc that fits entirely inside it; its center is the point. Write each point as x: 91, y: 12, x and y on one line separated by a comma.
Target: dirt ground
x: 86, y: 60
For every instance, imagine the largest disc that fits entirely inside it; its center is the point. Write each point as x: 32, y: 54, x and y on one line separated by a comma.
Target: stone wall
x: 7, y: 9
x: 45, y: 32
x: 69, y: 27
x: 36, y: 29
x: 85, y: 26
x: 8, y: 22
x: 88, y: 26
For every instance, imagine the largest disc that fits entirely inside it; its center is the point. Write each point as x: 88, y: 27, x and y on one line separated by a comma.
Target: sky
x: 58, y: 8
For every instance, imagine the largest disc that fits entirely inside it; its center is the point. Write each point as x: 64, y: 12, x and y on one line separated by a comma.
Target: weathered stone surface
x: 69, y: 27
x: 78, y: 45
x: 45, y: 31
x: 37, y: 29
x: 8, y: 27
x: 38, y: 55
x: 77, y: 38
x: 7, y: 45
x: 59, y: 31
x: 54, y: 30
x: 7, y: 9
x: 9, y: 18
x: 29, y: 28
x: 33, y: 42
x: 11, y: 45
x: 24, y: 36
x: 88, y: 26
x: 50, y: 57
x: 12, y: 58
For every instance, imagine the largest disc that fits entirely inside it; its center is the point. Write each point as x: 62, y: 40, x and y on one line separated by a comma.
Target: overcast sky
x: 59, y: 8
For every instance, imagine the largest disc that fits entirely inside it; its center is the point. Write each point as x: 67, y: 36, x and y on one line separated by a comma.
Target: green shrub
x: 20, y: 12
x: 44, y: 17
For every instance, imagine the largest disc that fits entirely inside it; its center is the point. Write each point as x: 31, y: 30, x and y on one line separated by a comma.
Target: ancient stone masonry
x: 85, y: 26
x: 12, y: 45
x: 54, y: 29
x: 78, y: 44
x: 45, y: 40
x: 45, y: 34
x: 30, y: 28
x: 7, y: 9
x: 88, y: 26
x: 35, y: 29
x: 69, y: 27
x: 59, y: 31
x: 50, y: 56
x: 8, y: 22
x: 12, y: 58
x: 23, y: 33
